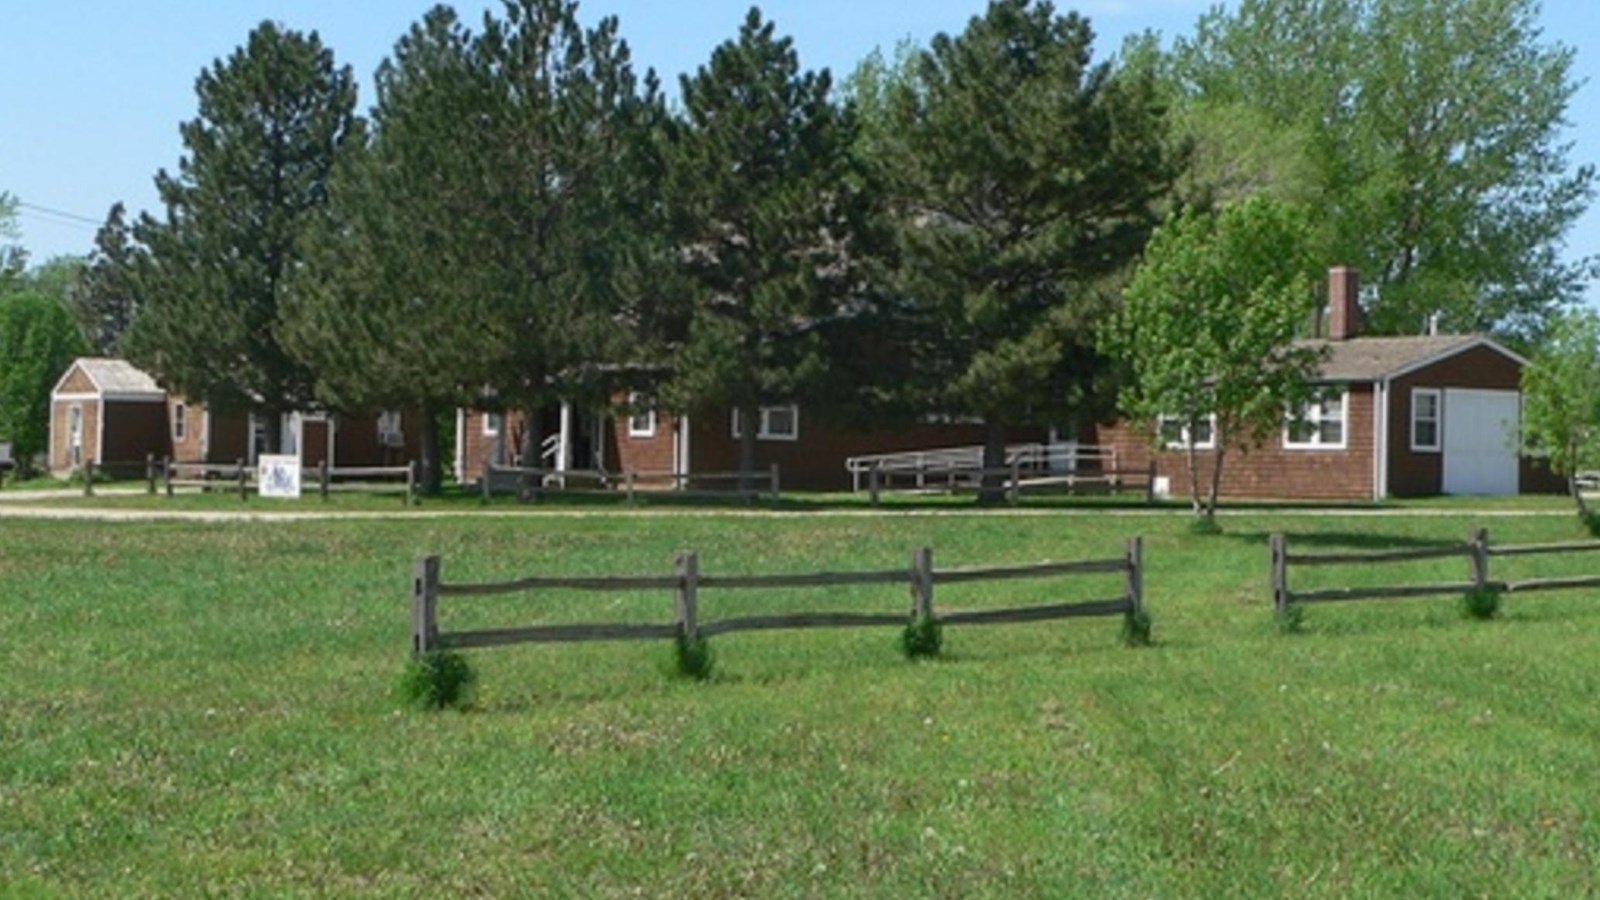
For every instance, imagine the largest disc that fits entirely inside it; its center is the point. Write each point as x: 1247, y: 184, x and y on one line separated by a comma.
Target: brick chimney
x: 1344, y: 303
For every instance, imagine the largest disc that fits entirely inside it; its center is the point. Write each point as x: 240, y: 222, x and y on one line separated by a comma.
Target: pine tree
x: 1025, y: 181
x: 101, y: 298
x: 272, y: 120
x: 774, y: 221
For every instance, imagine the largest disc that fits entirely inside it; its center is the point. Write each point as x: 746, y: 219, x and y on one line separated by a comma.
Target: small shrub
x: 1591, y: 522
x: 692, y: 658
x: 437, y: 680
x: 922, y: 637
x: 1290, y: 619
x: 1205, y: 525
x: 1136, y: 628
x: 1481, y: 603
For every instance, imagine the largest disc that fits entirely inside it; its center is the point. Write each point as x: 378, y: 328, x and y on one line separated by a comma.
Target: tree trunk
x: 532, y: 450
x: 1577, y: 496
x: 749, y: 423
x: 1193, y: 458
x: 991, y: 488
x: 428, y: 449
x: 1216, y: 479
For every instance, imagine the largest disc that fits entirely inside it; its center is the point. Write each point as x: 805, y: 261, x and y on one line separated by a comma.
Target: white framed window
x: 778, y: 423
x: 1427, y: 407
x: 75, y: 434
x: 493, y: 422
x: 1320, y: 424
x: 180, y: 422
x: 389, y: 428
x: 641, y: 416
x: 1176, y: 436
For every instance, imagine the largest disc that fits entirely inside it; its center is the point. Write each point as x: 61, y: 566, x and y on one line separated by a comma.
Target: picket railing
x: 686, y: 582
x: 634, y: 482
x: 1477, y: 551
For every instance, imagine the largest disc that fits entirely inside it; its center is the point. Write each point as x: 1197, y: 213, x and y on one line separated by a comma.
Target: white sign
x: 279, y: 476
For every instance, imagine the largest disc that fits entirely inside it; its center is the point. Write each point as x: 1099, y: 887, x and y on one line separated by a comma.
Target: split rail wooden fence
x: 686, y: 583
x: 1016, y: 479
x: 241, y: 476
x: 1477, y: 551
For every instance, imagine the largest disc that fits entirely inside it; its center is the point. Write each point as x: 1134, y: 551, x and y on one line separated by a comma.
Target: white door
x: 1480, y: 441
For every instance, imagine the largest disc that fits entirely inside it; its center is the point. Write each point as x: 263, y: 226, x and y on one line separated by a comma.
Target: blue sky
x: 94, y: 90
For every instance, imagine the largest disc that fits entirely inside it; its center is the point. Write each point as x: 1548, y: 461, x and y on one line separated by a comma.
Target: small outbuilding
x: 106, y: 412
x: 1402, y: 416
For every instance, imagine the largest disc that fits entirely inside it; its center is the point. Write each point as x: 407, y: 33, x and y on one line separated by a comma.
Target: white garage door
x: 1480, y: 441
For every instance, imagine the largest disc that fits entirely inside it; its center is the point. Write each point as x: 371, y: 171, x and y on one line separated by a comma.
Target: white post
x: 564, y: 449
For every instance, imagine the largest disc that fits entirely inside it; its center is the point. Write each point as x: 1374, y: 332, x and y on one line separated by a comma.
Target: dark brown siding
x: 816, y: 460
x: 230, y: 438
x: 133, y: 429
x: 1415, y: 474
x: 1269, y: 472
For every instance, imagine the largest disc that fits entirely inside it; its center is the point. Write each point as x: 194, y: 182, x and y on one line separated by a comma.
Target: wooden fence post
x: 166, y: 473
x: 88, y: 479
x: 1280, y: 572
x: 323, y: 474
x: 1135, y: 574
x: 874, y: 482
x: 922, y: 583
x: 411, y: 482
x: 483, y: 481
x: 244, y: 477
x: 1015, y: 493
x: 1150, y: 483
x: 425, y: 606
x: 631, y: 474
x: 686, y: 599
x: 1478, y: 549
x: 774, y: 484
x: 150, y: 473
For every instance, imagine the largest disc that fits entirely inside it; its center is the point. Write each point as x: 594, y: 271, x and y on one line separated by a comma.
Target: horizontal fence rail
x: 1477, y: 551
x: 686, y: 582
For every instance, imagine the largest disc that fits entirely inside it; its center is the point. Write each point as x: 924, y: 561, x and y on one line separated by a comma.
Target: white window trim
x: 1438, y: 420
x: 764, y: 432
x: 489, y: 429
x: 1183, y: 441
x: 1316, y: 442
x: 648, y: 430
x: 180, y: 422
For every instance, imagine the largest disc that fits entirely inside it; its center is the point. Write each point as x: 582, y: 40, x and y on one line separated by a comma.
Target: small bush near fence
x: 921, y: 638
x: 441, y: 679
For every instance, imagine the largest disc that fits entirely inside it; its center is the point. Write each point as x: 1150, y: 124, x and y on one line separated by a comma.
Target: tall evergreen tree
x: 1025, y: 180
x: 385, y: 309
x: 101, y: 298
x: 774, y: 221
x: 562, y: 171
x: 272, y: 120
x: 1432, y: 135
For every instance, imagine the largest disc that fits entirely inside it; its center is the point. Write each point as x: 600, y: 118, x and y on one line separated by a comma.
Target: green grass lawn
x: 193, y: 708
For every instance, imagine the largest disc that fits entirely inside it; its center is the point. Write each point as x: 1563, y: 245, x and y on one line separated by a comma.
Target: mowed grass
x: 209, y: 708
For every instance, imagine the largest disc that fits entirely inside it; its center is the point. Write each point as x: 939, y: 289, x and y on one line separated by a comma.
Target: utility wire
x: 69, y: 217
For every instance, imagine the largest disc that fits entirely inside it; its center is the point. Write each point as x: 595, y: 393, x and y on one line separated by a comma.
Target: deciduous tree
x: 1207, y: 331
x: 38, y: 340
x: 1561, y: 400
x: 1434, y: 134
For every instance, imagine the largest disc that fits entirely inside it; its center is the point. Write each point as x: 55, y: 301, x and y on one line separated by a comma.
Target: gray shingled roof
x: 1371, y: 358
x: 118, y: 376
